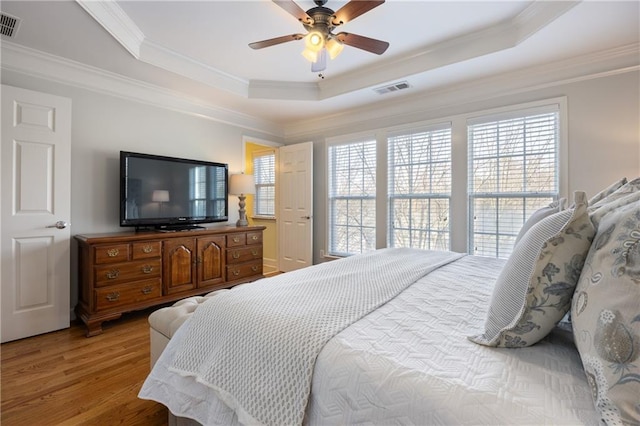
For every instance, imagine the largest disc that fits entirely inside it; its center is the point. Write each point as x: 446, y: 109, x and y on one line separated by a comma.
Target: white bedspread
x: 256, y: 346
x: 409, y: 362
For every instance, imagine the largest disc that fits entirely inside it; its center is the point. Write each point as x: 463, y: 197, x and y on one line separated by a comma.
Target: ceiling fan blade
x: 353, y: 9
x: 295, y: 10
x: 273, y: 41
x: 365, y: 43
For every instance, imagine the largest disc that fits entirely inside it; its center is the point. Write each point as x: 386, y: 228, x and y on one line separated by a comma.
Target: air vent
x: 9, y: 25
x: 392, y: 88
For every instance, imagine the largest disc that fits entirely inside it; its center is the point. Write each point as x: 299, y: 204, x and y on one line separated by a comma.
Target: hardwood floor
x: 64, y: 378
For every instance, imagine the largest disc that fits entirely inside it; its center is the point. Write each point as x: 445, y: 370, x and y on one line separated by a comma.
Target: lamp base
x: 242, y: 221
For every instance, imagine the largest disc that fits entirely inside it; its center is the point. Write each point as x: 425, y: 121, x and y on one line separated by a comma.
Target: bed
x: 423, y: 352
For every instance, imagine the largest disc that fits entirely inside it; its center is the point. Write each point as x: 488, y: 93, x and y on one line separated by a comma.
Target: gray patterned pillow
x: 607, y: 191
x: 624, y: 190
x: 534, y: 289
x: 606, y: 316
x: 598, y: 213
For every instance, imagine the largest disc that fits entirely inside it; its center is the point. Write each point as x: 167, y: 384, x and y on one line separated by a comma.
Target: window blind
x: 419, y: 192
x: 264, y: 175
x: 513, y: 170
x: 352, y: 197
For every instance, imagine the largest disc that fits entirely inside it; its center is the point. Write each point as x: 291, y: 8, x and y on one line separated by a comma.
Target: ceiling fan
x: 320, y: 22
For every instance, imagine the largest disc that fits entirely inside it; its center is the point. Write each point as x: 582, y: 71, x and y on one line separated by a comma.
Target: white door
x: 35, y: 157
x: 295, y: 200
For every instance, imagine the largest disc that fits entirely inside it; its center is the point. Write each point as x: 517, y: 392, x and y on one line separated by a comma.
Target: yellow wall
x: 270, y: 237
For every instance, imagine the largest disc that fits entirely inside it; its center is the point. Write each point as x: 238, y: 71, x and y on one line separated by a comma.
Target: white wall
x: 603, y: 128
x: 102, y: 126
x: 604, y: 142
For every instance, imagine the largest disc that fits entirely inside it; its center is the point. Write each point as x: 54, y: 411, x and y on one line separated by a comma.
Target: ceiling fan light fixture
x: 314, y: 41
x: 310, y: 55
x: 334, y: 47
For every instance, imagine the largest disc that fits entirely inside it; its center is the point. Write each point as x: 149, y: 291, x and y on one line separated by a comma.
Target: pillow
x: 533, y: 291
x: 606, y: 316
x: 597, y: 214
x: 607, y: 191
x: 627, y: 188
x: 540, y: 214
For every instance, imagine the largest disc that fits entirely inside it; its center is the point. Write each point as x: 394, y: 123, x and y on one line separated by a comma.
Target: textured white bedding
x: 409, y: 362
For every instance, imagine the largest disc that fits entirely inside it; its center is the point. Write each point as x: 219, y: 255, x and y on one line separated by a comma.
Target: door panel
x: 36, y: 157
x: 295, y: 212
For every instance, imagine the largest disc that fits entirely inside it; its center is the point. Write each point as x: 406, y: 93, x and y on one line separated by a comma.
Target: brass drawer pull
x: 255, y: 237
x: 235, y: 255
x: 254, y: 252
x: 254, y: 268
x: 112, y: 297
x: 236, y: 239
x: 147, y: 248
x: 235, y: 272
x: 113, y: 274
x: 113, y: 252
x: 147, y: 269
x: 147, y: 290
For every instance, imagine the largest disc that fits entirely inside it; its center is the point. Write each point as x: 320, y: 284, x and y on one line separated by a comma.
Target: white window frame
x: 503, y: 244
x: 392, y: 197
x: 260, y: 185
x: 459, y: 201
x: 352, y: 140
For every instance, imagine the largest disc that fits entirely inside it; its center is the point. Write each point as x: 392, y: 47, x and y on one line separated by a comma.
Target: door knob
x: 305, y: 217
x: 61, y: 224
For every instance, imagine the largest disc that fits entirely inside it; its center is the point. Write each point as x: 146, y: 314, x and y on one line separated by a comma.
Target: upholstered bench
x: 165, y: 321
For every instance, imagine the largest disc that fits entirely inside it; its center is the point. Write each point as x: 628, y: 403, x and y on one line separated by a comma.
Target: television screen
x: 171, y: 193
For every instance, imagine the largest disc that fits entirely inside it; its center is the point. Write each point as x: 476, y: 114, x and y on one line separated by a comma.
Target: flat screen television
x: 167, y: 193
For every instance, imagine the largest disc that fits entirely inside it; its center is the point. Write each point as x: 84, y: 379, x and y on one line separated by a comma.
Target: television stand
x: 177, y: 228
x: 129, y: 271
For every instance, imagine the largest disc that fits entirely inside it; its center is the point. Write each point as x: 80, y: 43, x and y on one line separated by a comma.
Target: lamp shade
x: 241, y: 184
x: 160, y: 196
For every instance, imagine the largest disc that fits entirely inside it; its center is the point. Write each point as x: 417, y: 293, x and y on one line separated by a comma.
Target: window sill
x: 273, y: 218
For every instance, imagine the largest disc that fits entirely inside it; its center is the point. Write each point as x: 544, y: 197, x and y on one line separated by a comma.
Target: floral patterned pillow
x: 623, y: 191
x: 607, y: 191
x: 606, y: 316
x: 534, y: 289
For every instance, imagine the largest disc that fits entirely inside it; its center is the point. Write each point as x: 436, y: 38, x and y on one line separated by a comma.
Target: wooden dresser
x: 128, y: 271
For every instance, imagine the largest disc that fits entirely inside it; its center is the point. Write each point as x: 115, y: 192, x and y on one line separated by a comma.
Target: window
x: 419, y: 189
x: 513, y: 170
x: 352, y: 197
x: 264, y: 175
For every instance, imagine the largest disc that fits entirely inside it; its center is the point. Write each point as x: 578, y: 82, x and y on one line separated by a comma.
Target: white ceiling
x: 199, y: 49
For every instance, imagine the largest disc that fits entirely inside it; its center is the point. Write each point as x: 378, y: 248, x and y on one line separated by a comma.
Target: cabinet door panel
x: 179, y: 265
x: 210, y: 260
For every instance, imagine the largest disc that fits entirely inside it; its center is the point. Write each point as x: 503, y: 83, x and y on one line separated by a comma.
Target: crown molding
x: 116, y: 22
x: 504, y: 35
x: 53, y: 68
x: 169, y: 60
x: 414, y: 108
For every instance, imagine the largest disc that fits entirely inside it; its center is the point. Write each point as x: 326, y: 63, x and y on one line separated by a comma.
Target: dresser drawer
x: 126, y: 294
x: 129, y: 271
x: 243, y: 254
x: 236, y: 272
x: 238, y: 239
x: 254, y: 238
x: 146, y: 250
x: 111, y: 254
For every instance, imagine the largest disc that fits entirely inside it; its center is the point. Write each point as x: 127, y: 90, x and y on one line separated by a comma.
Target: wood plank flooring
x: 64, y: 378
